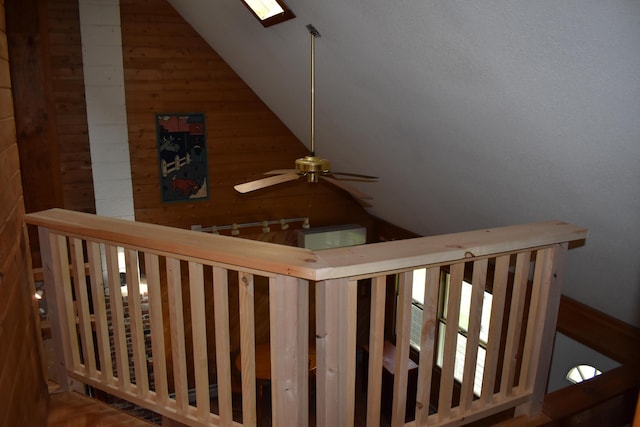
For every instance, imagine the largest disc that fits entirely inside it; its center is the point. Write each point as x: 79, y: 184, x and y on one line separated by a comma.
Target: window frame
x: 276, y: 19
x: 443, y: 294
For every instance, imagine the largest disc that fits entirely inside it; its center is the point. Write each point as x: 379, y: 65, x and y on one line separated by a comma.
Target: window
x: 580, y: 373
x: 269, y: 12
x: 463, y: 324
x: 332, y: 237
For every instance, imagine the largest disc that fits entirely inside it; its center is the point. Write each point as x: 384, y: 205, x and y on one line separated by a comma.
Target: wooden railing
x: 190, y: 277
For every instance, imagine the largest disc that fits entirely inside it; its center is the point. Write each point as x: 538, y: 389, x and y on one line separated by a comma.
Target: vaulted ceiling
x: 473, y: 114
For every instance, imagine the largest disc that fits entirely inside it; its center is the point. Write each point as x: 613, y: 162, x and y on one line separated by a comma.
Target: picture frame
x: 182, y: 156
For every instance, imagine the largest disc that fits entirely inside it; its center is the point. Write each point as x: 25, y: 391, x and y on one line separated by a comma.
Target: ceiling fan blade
x: 349, y: 189
x: 355, y: 175
x: 265, y: 182
x: 280, y: 171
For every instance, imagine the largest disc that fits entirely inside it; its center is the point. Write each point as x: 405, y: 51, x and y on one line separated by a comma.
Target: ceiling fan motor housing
x: 311, y: 166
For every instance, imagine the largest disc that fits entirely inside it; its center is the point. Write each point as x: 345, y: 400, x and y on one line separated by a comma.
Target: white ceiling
x: 473, y: 114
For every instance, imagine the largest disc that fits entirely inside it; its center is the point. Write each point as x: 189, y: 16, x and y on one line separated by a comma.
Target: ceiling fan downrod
x: 312, y: 165
x: 314, y: 33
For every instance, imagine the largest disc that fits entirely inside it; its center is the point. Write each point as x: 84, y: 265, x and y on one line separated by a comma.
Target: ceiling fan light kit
x: 312, y: 167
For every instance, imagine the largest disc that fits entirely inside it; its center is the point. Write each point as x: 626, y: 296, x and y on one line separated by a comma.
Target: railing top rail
x: 298, y: 262
x: 245, y: 253
x: 445, y: 248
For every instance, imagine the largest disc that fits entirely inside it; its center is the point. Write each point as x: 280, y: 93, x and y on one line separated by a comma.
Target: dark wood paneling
x: 67, y: 91
x: 51, y: 120
x: 34, y: 126
x: 605, y: 334
x: 383, y: 231
x: 170, y: 68
x: 23, y: 388
x: 608, y: 399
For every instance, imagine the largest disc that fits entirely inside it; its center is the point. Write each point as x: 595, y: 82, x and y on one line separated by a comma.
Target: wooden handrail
x: 303, y: 263
x: 248, y: 254
x: 180, y: 264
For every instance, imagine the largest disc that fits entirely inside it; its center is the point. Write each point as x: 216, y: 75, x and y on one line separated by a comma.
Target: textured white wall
x: 106, y: 111
x: 473, y: 114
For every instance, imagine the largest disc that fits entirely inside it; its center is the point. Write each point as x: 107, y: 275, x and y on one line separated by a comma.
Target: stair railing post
x: 289, y: 342
x: 336, y: 314
x: 548, y: 277
x: 55, y: 269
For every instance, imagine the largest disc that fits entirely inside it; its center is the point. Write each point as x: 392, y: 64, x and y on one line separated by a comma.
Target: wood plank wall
x: 46, y: 59
x: 23, y: 391
x: 69, y: 108
x: 170, y: 69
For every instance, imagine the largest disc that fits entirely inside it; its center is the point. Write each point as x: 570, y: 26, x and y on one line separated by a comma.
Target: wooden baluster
x: 223, y: 347
x: 427, y: 343
x: 499, y: 291
x: 518, y: 296
x: 152, y: 272
x: 199, y: 328
x: 403, y: 333
x: 376, y: 345
x: 447, y: 379
x: 247, y: 348
x: 83, y: 327
x: 135, y: 324
x: 176, y: 325
x: 478, y: 284
x: 100, y: 312
x: 117, y: 318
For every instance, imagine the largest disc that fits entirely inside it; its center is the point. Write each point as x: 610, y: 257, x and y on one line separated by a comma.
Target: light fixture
x: 266, y: 226
x: 269, y: 12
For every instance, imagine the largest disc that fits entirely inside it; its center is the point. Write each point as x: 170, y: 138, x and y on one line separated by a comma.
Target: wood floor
x: 75, y: 410
x: 70, y: 409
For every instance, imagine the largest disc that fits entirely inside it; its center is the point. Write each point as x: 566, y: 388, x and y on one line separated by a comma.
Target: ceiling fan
x: 312, y: 167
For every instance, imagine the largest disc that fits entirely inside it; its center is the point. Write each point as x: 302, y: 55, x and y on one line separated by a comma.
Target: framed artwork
x: 182, y: 156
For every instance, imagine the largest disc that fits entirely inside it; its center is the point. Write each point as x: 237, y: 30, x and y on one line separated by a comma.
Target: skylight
x: 265, y: 8
x: 269, y: 12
